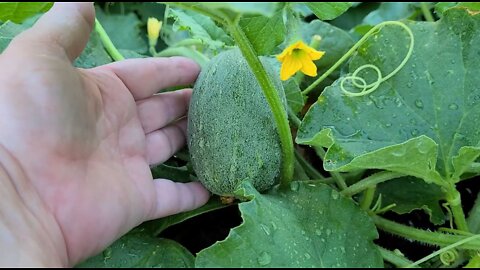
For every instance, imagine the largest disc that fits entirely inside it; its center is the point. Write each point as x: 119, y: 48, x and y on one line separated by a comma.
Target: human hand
x: 76, y: 144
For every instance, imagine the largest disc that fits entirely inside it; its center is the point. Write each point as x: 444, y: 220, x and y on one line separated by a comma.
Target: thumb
x: 64, y: 30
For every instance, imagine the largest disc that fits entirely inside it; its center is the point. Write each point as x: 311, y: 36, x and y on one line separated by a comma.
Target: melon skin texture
x: 232, y: 135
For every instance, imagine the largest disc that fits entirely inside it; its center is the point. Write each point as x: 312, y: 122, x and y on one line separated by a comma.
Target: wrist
x: 29, y: 234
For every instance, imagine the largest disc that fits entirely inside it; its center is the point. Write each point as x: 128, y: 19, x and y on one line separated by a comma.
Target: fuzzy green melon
x: 232, y: 136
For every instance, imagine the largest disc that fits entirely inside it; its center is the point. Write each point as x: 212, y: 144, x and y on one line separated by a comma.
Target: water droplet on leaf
x: 294, y: 185
x: 264, y: 258
x: 453, y: 106
x: 419, y: 104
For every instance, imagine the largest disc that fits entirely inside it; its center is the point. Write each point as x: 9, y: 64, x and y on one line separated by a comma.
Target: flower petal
x: 312, y: 53
x: 308, y: 67
x: 289, y: 67
x: 288, y: 51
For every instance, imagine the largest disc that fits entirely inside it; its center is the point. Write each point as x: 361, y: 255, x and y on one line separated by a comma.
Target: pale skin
x: 76, y: 145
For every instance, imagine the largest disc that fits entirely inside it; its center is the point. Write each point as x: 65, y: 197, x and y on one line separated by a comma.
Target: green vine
x: 357, y: 81
x: 107, y: 42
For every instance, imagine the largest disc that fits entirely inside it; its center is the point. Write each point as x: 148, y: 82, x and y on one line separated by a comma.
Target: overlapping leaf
x: 140, y: 249
x: 310, y: 225
x: 422, y: 121
x: 17, y: 12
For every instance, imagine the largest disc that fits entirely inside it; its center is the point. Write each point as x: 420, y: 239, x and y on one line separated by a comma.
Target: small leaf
x: 17, y: 12
x: 199, y: 27
x: 264, y: 33
x: 139, y: 249
x: 328, y: 10
x: 410, y: 193
x: 309, y: 225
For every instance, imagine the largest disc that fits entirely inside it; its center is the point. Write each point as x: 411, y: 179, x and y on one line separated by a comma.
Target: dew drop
x: 414, y: 132
x: 107, y: 253
x: 388, y: 124
x: 329, y: 232
x: 264, y: 258
x: 294, y: 185
x: 399, y: 152
x: 419, y: 104
x: 307, y: 255
x: 334, y: 195
x: 410, y: 84
x: 453, y: 106
x: 318, y: 232
x: 342, y: 249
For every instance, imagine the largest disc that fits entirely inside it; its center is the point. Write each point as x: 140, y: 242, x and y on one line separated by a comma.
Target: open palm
x: 83, y: 140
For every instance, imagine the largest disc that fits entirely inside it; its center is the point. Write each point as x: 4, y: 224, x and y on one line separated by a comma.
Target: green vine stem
x: 309, y: 169
x: 367, y: 199
x: 426, y: 12
x: 445, y: 249
x: 356, y: 80
x: 273, y: 99
x: 107, y: 42
x: 195, y: 55
x: 455, y: 202
x: 433, y: 238
x: 370, y: 181
x: 394, y: 258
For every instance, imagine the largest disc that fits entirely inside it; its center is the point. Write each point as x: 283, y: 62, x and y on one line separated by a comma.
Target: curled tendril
x: 443, y: 251
x: 448, y: 257
x: 360, y: 82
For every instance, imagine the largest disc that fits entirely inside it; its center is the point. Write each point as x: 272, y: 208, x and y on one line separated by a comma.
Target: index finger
x: 146, y: 76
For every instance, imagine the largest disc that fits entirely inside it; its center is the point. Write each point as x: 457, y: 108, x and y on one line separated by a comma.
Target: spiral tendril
x: 360, y: 82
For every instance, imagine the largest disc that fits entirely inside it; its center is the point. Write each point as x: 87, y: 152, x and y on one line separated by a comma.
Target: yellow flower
x: 153, y: 29
x: 298, y: 56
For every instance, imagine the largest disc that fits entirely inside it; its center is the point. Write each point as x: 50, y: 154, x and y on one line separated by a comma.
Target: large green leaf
x: 410, y: 193
x: 310, y: 225
x: 328, y: 10
x: 139, y: 249
x: 335, y: 42
x: 124, y: 31
x: 19, y: 11
x: 231, y: 8
x: 390, y: 11
x: 416, y: 122
x: 264, y: 33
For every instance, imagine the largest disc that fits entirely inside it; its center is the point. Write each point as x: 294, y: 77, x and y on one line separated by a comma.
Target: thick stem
x: 433, y: 238
x: 370, y: 181
x: 273, y: 99
x: 367, y: 198
x: 107, y: 42
x: 455, y: 202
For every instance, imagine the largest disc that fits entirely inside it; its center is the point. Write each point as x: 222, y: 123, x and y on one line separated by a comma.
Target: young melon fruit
x: 232, y: 136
